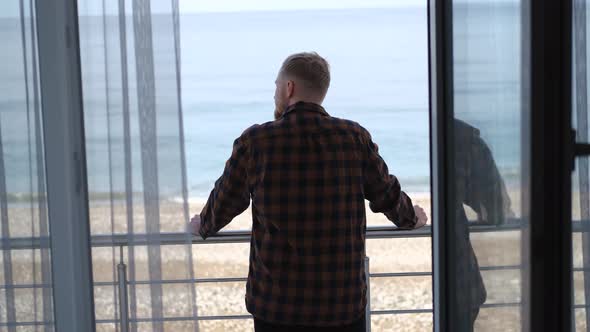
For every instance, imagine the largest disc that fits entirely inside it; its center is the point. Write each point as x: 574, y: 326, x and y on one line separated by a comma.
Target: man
x: 308, y: 175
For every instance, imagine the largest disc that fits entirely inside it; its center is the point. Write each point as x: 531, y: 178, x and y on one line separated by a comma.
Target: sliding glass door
x: 502, y: 161
x: 479, y: 155
x: 487, y: 185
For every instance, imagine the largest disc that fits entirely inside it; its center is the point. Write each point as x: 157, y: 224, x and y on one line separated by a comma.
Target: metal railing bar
x: 581, y: 306
x: 222, y: 317
x: 187, y: 281
x: 236, y: 236
x: 400, y: 274
x: 419, y: 311
x: 243, y: 279
x: 500, y: 305
x: 240, y: 236
x: 500, y: 267
x: 26, y: 286
x: 401, y: 312
x: 243, y: 236
x: 123, y: 296
x: 175, y: 319
x: 170, y: 281
x: 16, y: 324
x: 210, y: 280
x: 20, y: 243
x: 173, y: 281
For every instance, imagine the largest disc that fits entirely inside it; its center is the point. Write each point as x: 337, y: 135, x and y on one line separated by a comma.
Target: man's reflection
x: 479, y: 186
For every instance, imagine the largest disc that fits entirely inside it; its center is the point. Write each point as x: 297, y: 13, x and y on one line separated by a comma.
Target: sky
x: 10, y: 8
x: 258, y: 5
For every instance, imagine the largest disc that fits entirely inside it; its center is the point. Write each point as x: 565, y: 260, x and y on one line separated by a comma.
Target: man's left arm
x: 487, y: 187
x: 231, y: 195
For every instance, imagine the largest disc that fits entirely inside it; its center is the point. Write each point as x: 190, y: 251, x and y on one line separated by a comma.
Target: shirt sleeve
x: 384, y: 192
x: 487, y: 193
x: 231, y: 195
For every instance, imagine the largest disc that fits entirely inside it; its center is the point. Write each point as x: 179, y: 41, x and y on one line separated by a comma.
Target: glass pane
x: 230, y: 57
x: 25, y: 261
x: 580, y: 178
x: 487, y: 180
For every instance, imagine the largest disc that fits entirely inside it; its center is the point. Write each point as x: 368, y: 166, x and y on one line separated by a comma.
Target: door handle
x: 581, y: 149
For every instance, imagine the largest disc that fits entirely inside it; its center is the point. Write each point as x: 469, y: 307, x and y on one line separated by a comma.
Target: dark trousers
x: 262, y: 326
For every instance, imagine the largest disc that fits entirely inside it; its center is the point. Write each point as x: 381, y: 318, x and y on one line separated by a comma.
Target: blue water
x: 379, y: 69
x: 379, y: 62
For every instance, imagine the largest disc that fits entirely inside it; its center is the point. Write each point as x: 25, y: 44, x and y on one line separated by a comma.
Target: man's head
x: 302, y: 77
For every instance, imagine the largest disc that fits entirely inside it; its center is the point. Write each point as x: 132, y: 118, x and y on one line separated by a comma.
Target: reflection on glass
x: 479, y: 186
x: 487, y: 183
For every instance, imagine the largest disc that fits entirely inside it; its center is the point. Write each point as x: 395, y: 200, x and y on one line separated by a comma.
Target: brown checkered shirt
x: 308, y: 175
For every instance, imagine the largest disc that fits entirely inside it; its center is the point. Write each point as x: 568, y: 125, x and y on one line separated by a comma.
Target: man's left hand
x: 195, y: 224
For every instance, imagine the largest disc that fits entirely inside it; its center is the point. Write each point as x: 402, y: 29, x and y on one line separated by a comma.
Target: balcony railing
x: 122, y: 240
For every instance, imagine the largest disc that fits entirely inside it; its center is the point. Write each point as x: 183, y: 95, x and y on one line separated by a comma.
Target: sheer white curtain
x: 130, y: 57
x: 25, y: 277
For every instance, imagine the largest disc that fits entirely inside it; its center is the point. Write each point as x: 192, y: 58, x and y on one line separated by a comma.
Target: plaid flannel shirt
x: 308, y: 175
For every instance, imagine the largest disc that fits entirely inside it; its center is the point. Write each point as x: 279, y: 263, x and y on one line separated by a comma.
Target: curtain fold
x: 130, y: 52
x: 25, y: 280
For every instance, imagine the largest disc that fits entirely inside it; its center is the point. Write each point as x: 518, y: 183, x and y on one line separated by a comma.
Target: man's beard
x: 279, y: 111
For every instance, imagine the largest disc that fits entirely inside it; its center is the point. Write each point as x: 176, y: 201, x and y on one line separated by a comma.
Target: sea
x: 228, y: 65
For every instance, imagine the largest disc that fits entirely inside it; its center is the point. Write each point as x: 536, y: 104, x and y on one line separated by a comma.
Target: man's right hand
x: 420, y: 216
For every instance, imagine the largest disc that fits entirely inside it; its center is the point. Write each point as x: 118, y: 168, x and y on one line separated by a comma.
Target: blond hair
x: 310, y: 69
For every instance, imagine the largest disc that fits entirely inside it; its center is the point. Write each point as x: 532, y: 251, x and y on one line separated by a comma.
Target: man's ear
x: 290, y: 89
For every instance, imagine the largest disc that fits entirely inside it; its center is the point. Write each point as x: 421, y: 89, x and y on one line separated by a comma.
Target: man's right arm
x: 384, y: 192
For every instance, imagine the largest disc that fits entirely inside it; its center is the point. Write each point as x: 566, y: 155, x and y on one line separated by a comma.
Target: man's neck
x: 305, y: 100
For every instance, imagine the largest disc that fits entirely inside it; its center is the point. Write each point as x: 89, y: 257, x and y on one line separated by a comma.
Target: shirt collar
x: 305, y: 106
